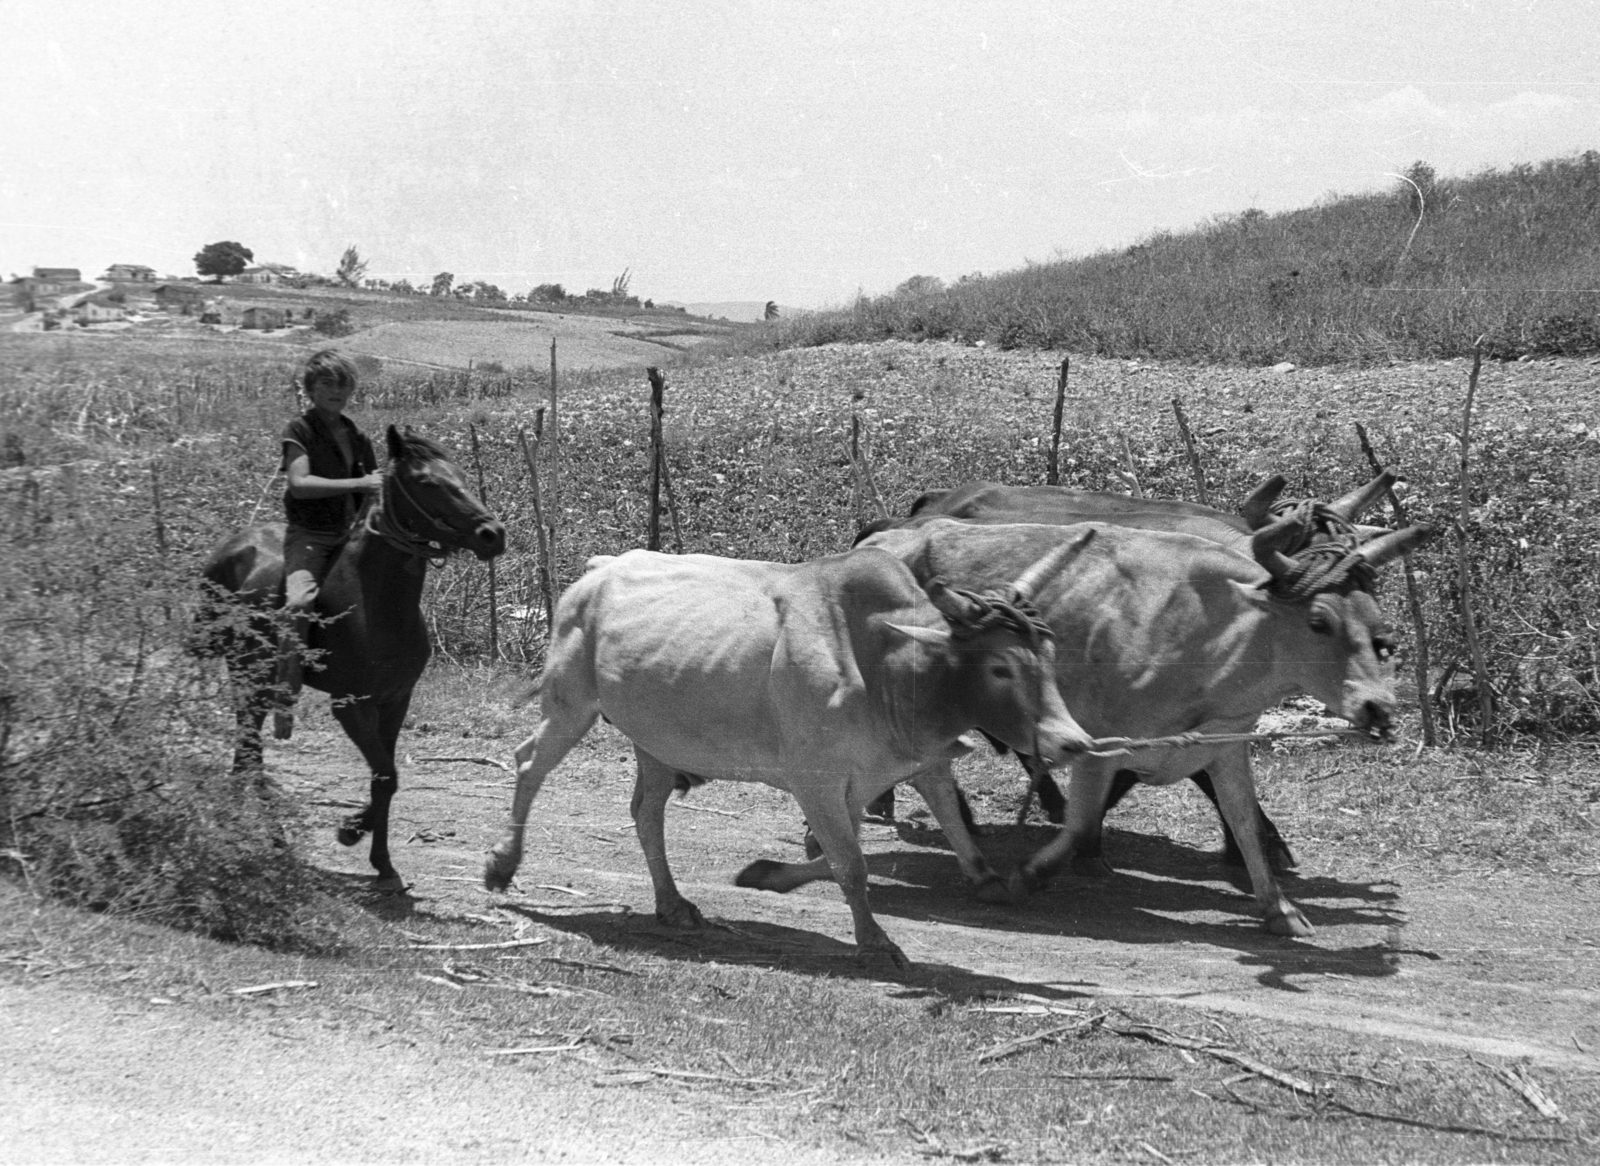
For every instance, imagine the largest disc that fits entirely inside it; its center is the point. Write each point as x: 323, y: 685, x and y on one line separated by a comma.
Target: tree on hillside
x: 920, y: 285
x: 549, y: 293
x: 441, y: 284
x: 770, y: 312
x: 224, y: 258
x: 619, y: 286
x: 351, y: 267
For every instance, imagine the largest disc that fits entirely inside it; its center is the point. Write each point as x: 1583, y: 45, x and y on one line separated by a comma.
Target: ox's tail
x: 524, y: 695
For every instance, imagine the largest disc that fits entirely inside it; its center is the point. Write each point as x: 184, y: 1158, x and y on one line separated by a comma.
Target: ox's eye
x: 1383, y: 647
x: 1002, y: 672
x: 1319, y: 622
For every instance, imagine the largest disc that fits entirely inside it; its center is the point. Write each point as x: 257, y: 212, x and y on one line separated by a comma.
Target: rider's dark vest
x: 312, y: 434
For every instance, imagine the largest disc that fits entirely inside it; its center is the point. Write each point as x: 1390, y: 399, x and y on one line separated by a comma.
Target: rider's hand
x: 371, y: 484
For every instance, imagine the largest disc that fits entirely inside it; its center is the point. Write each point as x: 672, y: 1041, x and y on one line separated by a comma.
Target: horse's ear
x: 397, y: 445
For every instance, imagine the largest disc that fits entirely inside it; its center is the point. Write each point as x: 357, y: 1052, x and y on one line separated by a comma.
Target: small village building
x: 267, y: 273
x: 51, y: 281
x: 261, y: 319
x: 92, y: 311
x: 176, y: 297
x: 130, y: 273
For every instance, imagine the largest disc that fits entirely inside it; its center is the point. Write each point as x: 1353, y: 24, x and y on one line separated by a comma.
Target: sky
x: 798, y: 152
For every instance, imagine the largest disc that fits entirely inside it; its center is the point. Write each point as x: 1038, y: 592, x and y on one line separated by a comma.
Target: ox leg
x: 374, y: 728
x: 833, y: 820
x: 1041, y: 783
x: 937, y: 785
x: 1236, y: 796
x: 562, y: 724
x: 1279, y: 856
x: 1078, y: 844
x: 651, y: 789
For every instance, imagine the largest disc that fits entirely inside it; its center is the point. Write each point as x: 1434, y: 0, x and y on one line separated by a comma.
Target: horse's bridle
x: 383, y: 521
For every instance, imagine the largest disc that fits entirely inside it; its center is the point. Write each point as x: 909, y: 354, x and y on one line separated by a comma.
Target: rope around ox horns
x: 996, y: 610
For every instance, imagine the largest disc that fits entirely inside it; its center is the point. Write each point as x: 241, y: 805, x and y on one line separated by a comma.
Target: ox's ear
x: 397, y: 445
x: 933, y: 637
x: 1256, y: 595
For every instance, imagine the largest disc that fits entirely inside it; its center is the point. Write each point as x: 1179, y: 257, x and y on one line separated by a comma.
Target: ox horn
x: 1049, y: 565
x: 1352, y: 504
x: 1395, y: 543
x: 1257, y: 509
x: 1266, y: 541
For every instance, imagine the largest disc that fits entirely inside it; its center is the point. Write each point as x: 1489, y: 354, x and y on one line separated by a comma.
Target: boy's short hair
x: 328, y: 365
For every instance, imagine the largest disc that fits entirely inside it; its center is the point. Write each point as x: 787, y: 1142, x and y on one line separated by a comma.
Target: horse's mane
x: 422, y: 448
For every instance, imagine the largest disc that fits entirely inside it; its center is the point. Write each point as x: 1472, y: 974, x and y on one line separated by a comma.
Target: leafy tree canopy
x: 224, y: 258
x: 441, y: 283
x: 351, y: 267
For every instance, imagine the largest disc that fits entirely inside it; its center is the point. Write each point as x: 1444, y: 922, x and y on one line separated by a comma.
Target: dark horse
x: 368, y: 645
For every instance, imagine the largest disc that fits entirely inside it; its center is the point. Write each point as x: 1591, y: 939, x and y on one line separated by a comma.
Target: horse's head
x: 429, y: 501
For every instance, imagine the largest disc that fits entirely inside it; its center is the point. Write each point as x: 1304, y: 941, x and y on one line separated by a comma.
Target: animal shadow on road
x: 1163, y: 892
x: 770, y: 945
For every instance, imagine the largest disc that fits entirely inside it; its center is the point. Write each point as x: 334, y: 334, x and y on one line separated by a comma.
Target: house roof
x: 57, y: 273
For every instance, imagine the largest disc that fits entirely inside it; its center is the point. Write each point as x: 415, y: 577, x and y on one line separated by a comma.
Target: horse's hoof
x: 684, y: 915
x: 759, y: 875
x: 1288, y: 921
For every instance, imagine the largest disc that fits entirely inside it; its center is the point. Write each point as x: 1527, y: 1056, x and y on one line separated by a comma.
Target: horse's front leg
x: 374, y: 728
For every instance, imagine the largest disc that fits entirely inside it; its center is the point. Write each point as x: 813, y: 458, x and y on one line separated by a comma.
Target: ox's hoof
x: 995, y: 891
x: 813, y: 847
x: 390, y: 884
x: 683, y: 915
x: 1288, y: 920
x: 498, y: 871
x: 1090, y: 866
x: 1280, y: 858
x: 283, y: 725
x: 885, y: 955
x: 761, y: 875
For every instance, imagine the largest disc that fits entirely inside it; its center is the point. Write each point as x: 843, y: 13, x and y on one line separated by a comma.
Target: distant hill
x: 742, y: 311
x: 1422, y: 269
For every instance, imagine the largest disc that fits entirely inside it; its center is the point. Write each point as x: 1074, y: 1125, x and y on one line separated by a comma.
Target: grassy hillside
x: 1420, y: 271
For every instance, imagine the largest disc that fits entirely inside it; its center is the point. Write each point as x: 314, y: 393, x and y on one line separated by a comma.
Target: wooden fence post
x: 1052, y: 475
x: 1430, y: 736
x: 1480, y: 671
x: 494, y: 591
x: 652, y: 529
x: 554, y: 510
x: 546, y: 596
x: 1194, y: 456
x: 861, y: 472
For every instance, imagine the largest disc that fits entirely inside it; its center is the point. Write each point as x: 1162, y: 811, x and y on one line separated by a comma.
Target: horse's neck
x: 390, y: 580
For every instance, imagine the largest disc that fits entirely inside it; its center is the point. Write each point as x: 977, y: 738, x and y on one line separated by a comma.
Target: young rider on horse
x: 331, y: 467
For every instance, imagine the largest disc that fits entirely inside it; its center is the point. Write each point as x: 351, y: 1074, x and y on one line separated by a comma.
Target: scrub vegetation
x: 1422, y: 270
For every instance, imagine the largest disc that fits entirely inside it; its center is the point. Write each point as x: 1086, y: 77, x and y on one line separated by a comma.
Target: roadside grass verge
x: 797, y: 1047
